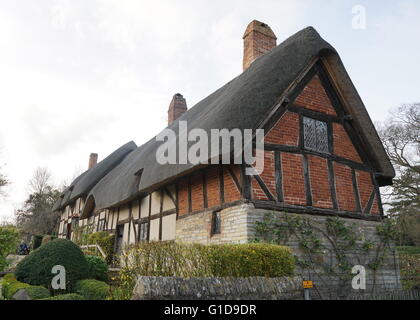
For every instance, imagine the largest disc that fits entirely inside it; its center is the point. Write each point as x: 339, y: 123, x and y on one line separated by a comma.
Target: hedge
x: 35, y: 269
x: 92, y: 289
x: 97, y: 268
x: 69, y: 296
x: 222, y: 260
x: 196, y: 260
x: 251, y: 260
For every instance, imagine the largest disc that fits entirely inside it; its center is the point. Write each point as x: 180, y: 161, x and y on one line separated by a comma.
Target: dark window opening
x: 143, y: 231
x: 315, y: 135
x: 75, y: 223
x: 101, y: 225
x: 216, y: 223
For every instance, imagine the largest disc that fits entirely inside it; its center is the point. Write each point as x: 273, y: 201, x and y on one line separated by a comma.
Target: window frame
x: 326, y: 138
x: 216, y: 229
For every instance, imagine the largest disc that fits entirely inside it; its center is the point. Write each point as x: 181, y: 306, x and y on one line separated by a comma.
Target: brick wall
x: 197, y: 197
x: 343, y: 146
x: 268, y: 176
x: 315, y: 98
x: 285, y: 131
x: 365, y: 186
x: 344, y: 187
x: 231, y: 191
x: 293, y: 179
x: 320, y: 183
x: 183, y: 196
x: 213, y: 186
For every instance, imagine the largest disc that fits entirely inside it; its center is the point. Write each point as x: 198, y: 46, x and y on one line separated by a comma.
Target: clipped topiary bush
x: 92, y: 289
x: 35, y: 269
x: 97, y: 268
x: 69, y: 296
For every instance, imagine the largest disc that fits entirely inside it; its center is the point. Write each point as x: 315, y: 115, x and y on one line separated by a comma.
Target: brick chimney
x: 177, y: 107
x: 258, y: 39
x: 93, y: 160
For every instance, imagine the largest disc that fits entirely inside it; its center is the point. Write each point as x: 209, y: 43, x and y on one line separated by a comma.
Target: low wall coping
x: 254, y: 288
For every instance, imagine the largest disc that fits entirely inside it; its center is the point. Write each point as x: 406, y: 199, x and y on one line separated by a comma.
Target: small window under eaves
x: 315, y: 135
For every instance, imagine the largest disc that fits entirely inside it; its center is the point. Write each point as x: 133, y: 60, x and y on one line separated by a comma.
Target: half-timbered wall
x: 313, y: 163
x: 337, y: 178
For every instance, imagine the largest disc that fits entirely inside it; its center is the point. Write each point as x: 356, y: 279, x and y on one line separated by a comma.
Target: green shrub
x: 37, y: 292
x: 251, y: 260
x: 35, y: 269
x: 195, y: 260
x: 97, y: 268
x: 9, y: 239
x: 409, y: 261
x: 92, y: 289
x: 13, y: 286
x: 9, y: 277
x: 105, y: 241
x: 69, y: 296
x: 36, y: 242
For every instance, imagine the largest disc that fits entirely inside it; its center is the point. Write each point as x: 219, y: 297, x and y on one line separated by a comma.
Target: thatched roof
x: 244, y: 103
x: 88, y: 179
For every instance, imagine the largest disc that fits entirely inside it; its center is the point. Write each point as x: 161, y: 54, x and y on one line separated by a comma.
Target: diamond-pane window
x: 315, y: 135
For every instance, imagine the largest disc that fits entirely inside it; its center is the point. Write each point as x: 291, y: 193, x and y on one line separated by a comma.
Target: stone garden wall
x: 256, y: 288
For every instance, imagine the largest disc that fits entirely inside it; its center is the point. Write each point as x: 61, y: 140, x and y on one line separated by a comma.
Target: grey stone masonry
x: 238, y: 225
x: 255, y: 288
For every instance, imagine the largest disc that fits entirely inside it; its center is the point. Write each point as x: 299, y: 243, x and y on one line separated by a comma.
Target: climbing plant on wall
x: 327, y: 249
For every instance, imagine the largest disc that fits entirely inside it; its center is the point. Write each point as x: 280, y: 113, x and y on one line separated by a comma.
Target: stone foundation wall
x: 257, y: 288
x: 197, y: 227
x: 238, y: 226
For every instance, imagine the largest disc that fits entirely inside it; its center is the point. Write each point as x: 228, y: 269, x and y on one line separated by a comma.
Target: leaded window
x: 216, y: 223
x: 315, y: 135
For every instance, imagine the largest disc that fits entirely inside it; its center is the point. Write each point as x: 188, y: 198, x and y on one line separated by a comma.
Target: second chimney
x: 93, y: 160
x: 258, y: 40
x: 177, y: 107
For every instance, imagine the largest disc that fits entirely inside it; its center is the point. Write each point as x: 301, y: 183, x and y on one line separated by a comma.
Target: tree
x: 3, y: 182
x: 401, y: 138
x: 36, y: 216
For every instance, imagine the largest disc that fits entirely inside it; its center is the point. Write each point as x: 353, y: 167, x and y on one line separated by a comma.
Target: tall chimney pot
x: 177, y: 108
x: 93, y: 159
x: 258, y: 40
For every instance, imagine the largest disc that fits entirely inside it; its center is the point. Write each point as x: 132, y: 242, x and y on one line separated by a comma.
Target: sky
x: 82, y: 76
